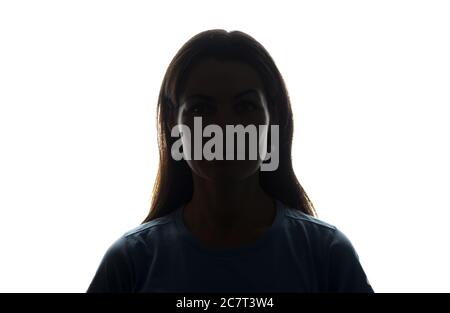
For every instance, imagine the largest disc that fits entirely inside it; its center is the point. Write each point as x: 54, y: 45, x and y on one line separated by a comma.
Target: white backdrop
x: 369, y: 83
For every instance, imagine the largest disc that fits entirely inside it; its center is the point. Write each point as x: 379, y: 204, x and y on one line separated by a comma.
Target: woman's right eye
x: 199, y: 108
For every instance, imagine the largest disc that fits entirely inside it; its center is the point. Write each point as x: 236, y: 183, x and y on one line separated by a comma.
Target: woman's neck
x: 229, y: 211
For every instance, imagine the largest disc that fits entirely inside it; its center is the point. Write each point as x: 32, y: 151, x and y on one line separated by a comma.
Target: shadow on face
x: 223, y: 93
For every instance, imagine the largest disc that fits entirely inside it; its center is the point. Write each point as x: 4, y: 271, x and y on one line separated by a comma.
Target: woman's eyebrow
x: 204, y: 97
x: 245, y: 92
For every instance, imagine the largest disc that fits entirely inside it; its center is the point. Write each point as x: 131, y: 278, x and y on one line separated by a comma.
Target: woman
x: 224, y: 224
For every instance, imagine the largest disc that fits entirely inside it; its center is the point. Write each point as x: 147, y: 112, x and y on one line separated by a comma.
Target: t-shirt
x: 297, y: 253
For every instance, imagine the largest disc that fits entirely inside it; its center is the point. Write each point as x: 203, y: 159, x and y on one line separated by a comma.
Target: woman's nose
x: 224, y: 115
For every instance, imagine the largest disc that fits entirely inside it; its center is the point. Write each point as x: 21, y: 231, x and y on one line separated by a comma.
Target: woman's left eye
x: 246, y: 106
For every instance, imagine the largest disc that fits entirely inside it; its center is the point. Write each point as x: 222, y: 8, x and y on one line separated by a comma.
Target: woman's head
x: 226, y: 78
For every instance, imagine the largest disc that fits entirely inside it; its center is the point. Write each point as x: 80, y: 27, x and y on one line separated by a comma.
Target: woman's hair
x: 174, y: 185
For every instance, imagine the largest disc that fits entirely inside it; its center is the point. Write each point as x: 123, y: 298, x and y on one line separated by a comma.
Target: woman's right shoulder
x: 131, y: 253
x: 143, y: 240
x: 152, y: 231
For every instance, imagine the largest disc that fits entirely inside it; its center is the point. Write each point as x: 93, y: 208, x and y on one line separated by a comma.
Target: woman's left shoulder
x: 300, y: 221
x: 343, y: 265
x: 319, y: 232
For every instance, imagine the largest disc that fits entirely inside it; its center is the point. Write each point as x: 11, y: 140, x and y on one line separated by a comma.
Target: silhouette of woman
x: 221, y: 225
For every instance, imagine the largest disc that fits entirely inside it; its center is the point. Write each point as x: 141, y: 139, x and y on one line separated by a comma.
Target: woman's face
x: 224, y: 93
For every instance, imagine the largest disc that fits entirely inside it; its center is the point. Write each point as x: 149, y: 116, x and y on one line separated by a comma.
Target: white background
x: 369, y: 83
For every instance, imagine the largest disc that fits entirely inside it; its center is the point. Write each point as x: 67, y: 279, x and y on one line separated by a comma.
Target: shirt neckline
x: 242, y: 249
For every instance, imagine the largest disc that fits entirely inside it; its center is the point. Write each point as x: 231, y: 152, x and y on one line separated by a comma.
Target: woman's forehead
x: 212, y: 77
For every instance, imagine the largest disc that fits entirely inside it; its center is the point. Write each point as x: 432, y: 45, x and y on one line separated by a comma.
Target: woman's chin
x: 229, y: 169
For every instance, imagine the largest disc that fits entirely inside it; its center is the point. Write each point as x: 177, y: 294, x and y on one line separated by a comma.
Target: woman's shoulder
x: 328, y: 238
x: 130, y: 252
x: 346, y: 272
x: 298, y: 218
x: 151, y: 231
x: 314, y: 229
x: 157, y: 223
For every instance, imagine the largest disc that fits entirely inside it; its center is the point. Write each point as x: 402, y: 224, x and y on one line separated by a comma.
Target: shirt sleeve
x: 345, y: 271
x: 115, y: 273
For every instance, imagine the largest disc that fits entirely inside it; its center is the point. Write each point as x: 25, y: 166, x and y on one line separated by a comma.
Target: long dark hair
x: 174, y: 185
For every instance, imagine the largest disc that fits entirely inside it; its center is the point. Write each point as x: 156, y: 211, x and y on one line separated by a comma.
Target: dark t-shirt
x: 298, y: 253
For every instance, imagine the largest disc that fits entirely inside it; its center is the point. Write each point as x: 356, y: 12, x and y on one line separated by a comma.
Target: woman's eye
x: 199, y: 108
x: 246, y: 106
